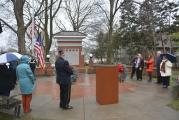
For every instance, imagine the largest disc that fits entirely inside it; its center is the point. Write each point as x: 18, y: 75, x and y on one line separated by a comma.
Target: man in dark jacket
x: 63, y: 78
x: 139, y: 66
x: 133, y: 66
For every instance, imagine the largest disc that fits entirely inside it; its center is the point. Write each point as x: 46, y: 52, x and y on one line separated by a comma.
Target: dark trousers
x: 159, y: 79
x: 166, y: 81
x: 65, y: 93
x: 139, y: 74
x: 133, y: 72
x: 5, y: 93
x: 150, y: 76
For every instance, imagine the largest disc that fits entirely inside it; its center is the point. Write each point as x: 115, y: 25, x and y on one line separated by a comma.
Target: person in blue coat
x: 63, y: 72
x: 26, y: 80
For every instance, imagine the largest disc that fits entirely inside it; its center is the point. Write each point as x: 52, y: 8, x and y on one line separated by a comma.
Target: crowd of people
x: 163, y: 68
x: 23, y: 71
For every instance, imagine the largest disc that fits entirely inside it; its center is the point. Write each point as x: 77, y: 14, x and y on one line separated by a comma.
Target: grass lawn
x: 174, y: 104
x: 4, y: 116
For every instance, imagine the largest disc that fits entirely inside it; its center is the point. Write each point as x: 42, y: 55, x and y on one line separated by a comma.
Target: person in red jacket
x: 150, y: 67
x: 121, y: 74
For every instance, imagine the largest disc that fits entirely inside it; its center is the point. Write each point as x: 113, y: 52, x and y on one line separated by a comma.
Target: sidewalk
x: 137, y: 101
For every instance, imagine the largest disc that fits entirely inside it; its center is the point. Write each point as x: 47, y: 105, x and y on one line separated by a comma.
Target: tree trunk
x: 21, y: 39
x: 109, y: 50
x: 46, y: 27
x: 18, y: 10
x: 51, y: 30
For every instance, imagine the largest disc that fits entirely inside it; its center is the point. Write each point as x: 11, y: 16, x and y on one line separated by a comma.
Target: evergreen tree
x: 128, y: 26
x: 166, y: 11
x: 101, y: 49
x: 153, y: 15
x: 147, y: 23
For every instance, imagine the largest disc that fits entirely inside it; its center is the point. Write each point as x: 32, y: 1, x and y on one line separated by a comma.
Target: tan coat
x: 168, y: 68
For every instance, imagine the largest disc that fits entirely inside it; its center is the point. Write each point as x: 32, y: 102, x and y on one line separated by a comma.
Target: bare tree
x: 79, y: 13
x: 18, y: 8
x: 114, y: 6
x: 50, y: 10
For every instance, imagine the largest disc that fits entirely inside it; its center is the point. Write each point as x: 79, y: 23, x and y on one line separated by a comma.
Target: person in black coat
x: 139, y: 66
x: 7, y: 79
x: 12, y: 67
x: 133, y: 67
x: 33, y: 64
x: 158, y: 61
x: 63, y: 78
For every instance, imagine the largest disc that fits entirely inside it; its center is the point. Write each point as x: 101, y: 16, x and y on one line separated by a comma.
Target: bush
x: 174, y: 104
x: 175, y: 87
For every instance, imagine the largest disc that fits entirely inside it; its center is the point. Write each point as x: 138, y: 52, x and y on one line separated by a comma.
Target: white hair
x: 139, y: 55
x: 158, y: 52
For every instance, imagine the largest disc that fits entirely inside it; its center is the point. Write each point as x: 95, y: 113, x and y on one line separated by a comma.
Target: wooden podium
x: 106, y: 84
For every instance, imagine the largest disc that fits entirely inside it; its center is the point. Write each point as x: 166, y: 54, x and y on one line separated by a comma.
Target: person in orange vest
x: 150, y: 67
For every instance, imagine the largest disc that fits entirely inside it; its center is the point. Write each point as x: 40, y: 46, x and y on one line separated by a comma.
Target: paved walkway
x: 137, y: 101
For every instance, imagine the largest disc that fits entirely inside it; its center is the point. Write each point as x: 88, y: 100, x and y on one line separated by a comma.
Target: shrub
x: 175, y: 87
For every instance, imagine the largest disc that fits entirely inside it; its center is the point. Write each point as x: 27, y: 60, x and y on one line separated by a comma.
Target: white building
x: 71, y: 43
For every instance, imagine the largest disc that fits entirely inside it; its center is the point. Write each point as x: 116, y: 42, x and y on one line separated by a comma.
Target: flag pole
x: 33, y: 25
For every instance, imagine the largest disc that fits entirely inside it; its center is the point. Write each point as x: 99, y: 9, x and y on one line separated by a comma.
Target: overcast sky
x: 7, y: 34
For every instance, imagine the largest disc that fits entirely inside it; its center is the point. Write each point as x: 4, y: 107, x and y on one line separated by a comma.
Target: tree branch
x: 57, y: 9
x: 136, y: 2
x: 8, y: 25
x: 69, y: 13
x: 103, y: 10
x: 45, y: 8
x: 59, y: 21
x: 117, y: 7
x: 36, y: 13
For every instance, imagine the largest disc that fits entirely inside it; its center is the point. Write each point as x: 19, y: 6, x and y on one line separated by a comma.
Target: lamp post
x: 48, y: 57
x: 48, y: 66
x: 91, y: 60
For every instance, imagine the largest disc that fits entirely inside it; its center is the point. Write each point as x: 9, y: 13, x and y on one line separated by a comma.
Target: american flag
x: 38, y: 50
x: 29, y: 31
